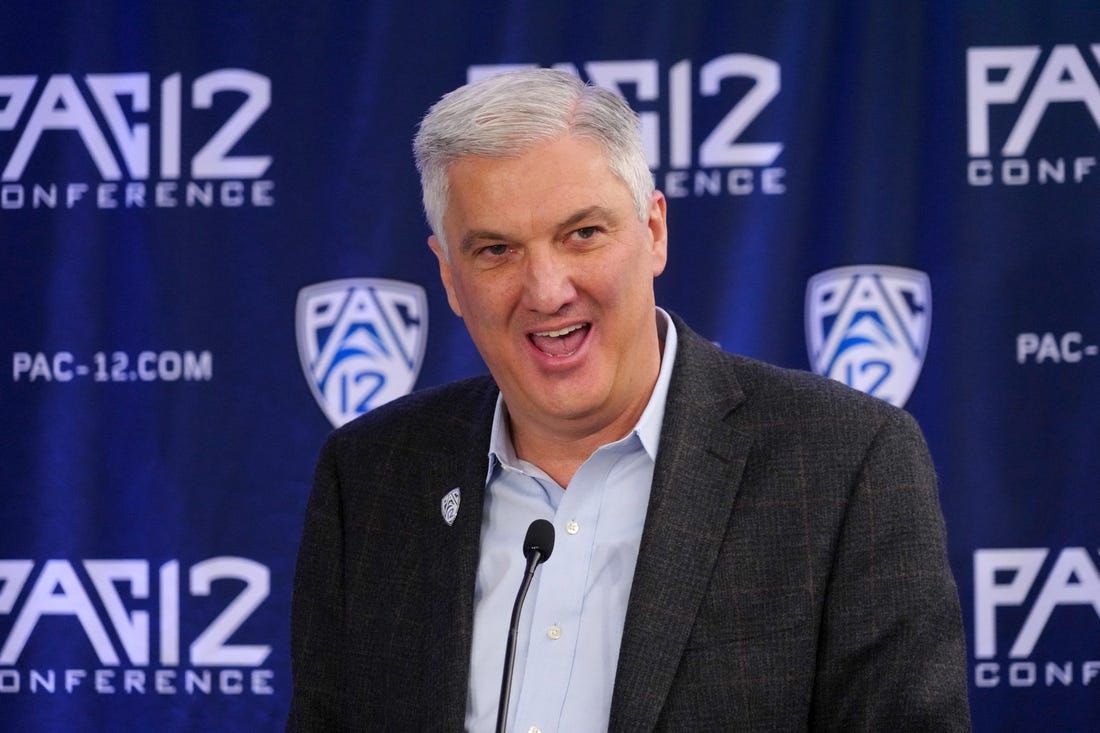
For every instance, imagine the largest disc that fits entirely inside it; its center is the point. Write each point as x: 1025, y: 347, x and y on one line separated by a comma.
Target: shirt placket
x: 559, y: 598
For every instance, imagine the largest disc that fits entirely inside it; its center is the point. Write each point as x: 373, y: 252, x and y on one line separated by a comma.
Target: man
x: 739, y: 547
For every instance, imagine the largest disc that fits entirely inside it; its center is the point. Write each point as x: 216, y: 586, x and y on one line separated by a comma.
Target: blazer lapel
x: 452, y: 567
x: 694, y: 484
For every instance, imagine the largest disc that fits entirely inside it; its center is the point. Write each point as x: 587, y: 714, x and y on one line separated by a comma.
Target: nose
x: 548, y: 280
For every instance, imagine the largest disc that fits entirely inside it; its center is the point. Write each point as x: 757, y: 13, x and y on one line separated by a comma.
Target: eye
x: 586, y: 232
x: 494, y: 250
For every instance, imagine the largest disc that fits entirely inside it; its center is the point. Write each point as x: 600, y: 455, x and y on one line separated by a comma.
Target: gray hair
x: 504, y: 115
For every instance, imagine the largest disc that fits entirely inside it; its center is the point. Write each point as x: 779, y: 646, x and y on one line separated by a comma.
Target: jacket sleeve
x: 317, y: 608
x: 892, y: 650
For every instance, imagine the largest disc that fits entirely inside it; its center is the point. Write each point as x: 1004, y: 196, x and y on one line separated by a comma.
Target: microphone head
x: 540, y: 539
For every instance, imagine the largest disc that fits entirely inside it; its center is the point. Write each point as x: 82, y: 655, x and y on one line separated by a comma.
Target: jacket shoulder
x: 767, y: 394
x: 456, y: 410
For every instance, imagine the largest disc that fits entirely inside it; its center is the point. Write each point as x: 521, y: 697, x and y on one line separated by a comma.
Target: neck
x: 560, y: 446
x: 560, y: 453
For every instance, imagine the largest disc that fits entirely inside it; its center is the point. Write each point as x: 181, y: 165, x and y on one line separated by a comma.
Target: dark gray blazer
x: 792, y: 572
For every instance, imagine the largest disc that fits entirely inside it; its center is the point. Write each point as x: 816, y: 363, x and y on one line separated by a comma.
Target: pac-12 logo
x: 1005, y: 116
x: 149, y: 609
x: 1024, y: 595
x: 139, y: 154
x: 361, y: 342
x: 868, y: 326
x: 712, y: 115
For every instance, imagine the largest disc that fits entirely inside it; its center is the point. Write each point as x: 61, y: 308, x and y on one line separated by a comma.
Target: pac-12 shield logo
x: 868, y: 325
x: 361, y: 342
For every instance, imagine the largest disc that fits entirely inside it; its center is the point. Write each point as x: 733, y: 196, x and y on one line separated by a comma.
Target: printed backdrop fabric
x: 212, y: 252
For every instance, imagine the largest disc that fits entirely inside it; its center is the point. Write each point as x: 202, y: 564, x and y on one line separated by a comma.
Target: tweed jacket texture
x: 792, y: 573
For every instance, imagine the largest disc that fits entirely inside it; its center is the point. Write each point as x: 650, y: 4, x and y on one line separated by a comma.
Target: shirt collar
x: 648, y: 427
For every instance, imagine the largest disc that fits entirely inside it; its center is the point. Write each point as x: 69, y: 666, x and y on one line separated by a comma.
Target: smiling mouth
x: 562, y: 342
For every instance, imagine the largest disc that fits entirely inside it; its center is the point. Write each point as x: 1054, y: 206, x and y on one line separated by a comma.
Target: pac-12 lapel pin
x: 449, y: 505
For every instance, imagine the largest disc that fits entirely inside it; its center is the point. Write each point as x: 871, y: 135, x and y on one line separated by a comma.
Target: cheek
x: 481, y: 301
x: 624, y: 281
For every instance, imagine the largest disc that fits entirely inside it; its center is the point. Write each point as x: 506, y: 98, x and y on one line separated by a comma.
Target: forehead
x: 564, y: 172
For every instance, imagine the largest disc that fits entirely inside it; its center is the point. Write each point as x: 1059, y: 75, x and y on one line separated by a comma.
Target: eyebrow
x: 586, y: 213
x: 482, y: 235
x: 479, y: 235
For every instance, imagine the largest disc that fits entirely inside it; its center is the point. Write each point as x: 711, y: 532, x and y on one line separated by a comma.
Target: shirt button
x: 534, y: 729
x: 572, y: 527
x: 554, y: 632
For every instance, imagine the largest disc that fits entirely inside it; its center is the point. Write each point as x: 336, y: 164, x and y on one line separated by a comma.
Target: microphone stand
x: 537, y: 547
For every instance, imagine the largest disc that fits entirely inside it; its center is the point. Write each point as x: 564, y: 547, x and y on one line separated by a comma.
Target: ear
x: 445, y: 273
x: 658, y: 231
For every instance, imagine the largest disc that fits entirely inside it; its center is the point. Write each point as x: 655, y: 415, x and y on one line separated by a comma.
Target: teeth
x: 560, y: 332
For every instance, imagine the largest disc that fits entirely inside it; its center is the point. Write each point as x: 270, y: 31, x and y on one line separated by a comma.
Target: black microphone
x: 537, y: 546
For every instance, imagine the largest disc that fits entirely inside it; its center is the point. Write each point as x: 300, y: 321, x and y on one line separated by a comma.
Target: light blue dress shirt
x: 572, y: 622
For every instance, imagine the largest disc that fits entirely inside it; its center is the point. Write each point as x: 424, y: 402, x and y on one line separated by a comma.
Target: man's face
x: 552, y: 272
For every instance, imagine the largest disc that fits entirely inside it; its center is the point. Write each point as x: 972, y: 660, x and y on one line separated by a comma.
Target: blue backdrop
x: 212, y: 251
